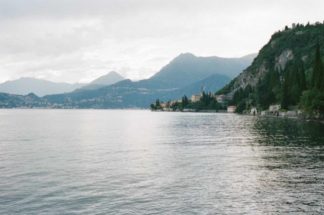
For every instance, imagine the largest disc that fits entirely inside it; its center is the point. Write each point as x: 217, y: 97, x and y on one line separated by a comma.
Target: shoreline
x: 302, y: 118
x: 280, y: 116
x: 305, y: 119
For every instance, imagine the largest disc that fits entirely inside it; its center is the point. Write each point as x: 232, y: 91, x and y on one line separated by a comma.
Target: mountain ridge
x: 40, y: 87
x: 176, y: 80
x: 191, y: 68
x: 104, y: 80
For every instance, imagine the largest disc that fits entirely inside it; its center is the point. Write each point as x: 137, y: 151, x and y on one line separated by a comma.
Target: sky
x: 79, y: 40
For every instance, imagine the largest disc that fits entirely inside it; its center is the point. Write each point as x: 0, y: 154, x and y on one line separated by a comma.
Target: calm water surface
x: 139, y: 162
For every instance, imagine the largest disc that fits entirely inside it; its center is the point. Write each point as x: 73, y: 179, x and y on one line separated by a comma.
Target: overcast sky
x: 79, y: 40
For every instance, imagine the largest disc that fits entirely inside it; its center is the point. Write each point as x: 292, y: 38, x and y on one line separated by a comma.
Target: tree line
x: 207, y: 101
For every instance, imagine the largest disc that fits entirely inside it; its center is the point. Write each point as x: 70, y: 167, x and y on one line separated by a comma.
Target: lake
x: 142, y: 162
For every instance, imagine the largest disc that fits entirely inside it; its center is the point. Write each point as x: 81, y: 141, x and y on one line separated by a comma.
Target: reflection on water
x: 293, y: 156
x: 289, y: 132
x: 139, y: 162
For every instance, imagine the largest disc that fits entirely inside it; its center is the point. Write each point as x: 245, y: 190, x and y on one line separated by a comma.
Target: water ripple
x: 139, y: 162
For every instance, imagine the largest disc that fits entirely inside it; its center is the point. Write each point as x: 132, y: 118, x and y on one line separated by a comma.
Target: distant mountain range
x: 24, y: 86
x: 187, y: 74
x: 129, y: 94
x: 187, y: 69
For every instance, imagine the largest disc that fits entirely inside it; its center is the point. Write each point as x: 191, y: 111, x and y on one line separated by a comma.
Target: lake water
x: 142, y: 162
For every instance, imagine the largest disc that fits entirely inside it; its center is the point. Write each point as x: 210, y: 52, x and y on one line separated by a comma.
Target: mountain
x: 188, y: 68
x: 184, y: 75
x: 20, y: 101
x: 108, y: 79
x: 40, y: 87
x: 284, y: 72
x: 129, y: 94
x: 24, y: 86
x: 105, y: 80
x: 210, y: 84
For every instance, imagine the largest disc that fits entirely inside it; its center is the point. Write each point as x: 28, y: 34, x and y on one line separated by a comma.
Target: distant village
x: 203, y: 102
x: 209, y: 102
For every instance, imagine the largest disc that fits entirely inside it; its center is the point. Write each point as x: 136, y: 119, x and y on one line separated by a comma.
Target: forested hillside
x: 287, y: 71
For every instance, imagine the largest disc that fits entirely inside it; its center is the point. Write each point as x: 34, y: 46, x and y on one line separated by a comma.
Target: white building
x: 254, y: 111
x: 231, y: 109
x: 164, y: 105
x: 195, y: 98
x: 220, y: 98
x: 274, y: 108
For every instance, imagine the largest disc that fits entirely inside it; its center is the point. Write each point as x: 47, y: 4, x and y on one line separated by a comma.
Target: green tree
x: 265, y: 95
x: 185, y: 101
x: 302, y: 78
x: 285, y: 93
x: 157, y: 104
x: 312, y: 100
x: 152, y: 107
x: 275, y: 85
x: 294, y: 85
x: 318, y: 73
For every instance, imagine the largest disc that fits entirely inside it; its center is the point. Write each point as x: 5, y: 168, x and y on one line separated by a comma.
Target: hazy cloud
x: 78, y: 40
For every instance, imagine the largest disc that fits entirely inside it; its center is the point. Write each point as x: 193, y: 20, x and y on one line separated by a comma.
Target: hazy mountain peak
x: 186, y: 55
x: 40, y: 87
x: 27, y: 78
x: 103, y: 81
x: 187, y: 68
x: 24, y: 79
x: 108, y: 79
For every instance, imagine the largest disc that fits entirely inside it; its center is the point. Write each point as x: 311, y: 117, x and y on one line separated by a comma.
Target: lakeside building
x: 196, y: 98
x: 231, y: 109
x: 164, y: 105
x: 274, y: 108
x: 173, y: 103
x: 220, y: 98
x: 254, y: 111
x: 264, y: 113
x: 188, y: 110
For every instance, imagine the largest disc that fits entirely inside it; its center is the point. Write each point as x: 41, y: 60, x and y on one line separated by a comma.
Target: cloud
x: 78, y: 40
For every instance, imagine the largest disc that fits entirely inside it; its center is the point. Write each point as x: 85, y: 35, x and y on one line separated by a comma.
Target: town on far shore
x: 210, y: 102
x: 203, y: 102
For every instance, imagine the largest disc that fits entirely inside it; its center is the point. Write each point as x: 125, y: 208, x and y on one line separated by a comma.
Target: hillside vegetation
x: 287, y: 71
